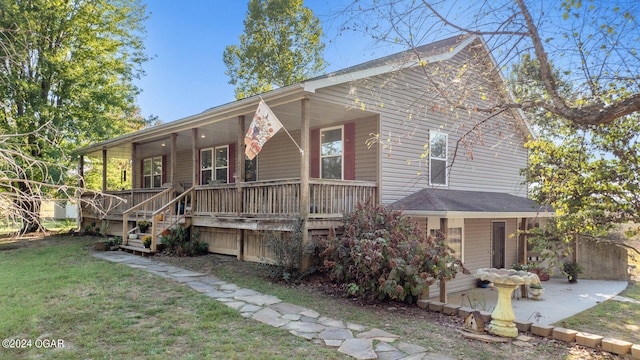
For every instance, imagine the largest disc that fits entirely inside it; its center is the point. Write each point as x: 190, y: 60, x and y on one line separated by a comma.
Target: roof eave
x: 480, y: 214
x: 313, y: 85
x: 237, y: 106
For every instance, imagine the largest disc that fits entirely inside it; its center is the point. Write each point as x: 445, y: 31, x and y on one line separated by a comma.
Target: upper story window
x: 331, y: 153
x: 152, y: 172
x: 214, y: 165
x: 438, y: 158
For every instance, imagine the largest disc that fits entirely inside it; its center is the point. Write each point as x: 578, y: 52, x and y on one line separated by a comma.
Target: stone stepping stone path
x: 355, y: 340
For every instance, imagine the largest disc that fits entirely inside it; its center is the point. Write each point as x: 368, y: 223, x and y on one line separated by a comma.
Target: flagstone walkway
x: 352, y: 339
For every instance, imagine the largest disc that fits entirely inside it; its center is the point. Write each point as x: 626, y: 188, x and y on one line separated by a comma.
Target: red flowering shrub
x: 383, y: 254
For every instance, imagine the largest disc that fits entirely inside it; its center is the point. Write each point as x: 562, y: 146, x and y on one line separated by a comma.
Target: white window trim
x: 341, y: 127
x: 446, y: 159
x: 213, y: 168
x: 216, y: 167
x: 433, y: 224
x: 151, y: 159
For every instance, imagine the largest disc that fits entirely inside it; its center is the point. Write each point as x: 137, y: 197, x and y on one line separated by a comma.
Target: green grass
x: 49, y: 224
x: 107, y: 310
x: 433, y: 331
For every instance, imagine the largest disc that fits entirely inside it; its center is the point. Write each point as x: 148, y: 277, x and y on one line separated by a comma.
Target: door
x: 498, y: 244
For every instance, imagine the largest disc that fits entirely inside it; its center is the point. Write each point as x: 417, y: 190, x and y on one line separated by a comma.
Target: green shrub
x: 383, y: 254
x: 180, y: 242
x: 287, y: 253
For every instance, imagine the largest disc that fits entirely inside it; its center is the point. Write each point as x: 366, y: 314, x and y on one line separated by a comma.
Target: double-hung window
x: 331, y: 153
x: 214, y: 165
x: 437, y: 158
x: 454, y: 236
x: 152, y: 172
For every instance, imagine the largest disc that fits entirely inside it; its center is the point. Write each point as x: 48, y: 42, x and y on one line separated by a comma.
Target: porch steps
x: 136, y: 247
x: 135, y: 250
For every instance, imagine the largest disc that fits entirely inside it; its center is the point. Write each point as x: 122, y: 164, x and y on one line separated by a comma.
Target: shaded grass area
x: 106, y: 310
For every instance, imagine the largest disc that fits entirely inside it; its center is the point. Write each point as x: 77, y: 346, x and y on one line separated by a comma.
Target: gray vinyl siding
x: 491, y: 163
x: 366, y: 157
x: 477, y: 250
x: 280, y: 157
x: 184, y: 168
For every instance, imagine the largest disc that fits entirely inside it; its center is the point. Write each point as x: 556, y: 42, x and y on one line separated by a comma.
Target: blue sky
x: 186, y: 40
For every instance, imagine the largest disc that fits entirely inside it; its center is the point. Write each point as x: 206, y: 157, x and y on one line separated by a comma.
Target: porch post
x: 239, y: 181
x: 104, y: 170
x: 194, y: 162
x: 444, y: 225
x: 81, y: 171
x: 304, y: 174
x: 174, y: 161
x: 134, y: 166
x: 522, y: 252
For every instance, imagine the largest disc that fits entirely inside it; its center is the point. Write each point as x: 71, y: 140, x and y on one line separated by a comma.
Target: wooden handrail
x: 166, y: 213
x: 136, y: 209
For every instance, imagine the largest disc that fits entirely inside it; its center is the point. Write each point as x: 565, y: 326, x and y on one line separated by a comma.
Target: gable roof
x: 437, y: 51
x: 461, y: 203
x: 433, y: 52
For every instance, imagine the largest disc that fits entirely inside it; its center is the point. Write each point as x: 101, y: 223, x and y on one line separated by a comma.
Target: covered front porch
x: 259, y: 205
x: 194, y: 172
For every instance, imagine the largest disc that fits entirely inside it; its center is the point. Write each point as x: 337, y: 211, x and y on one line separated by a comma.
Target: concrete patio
x: 560, y: 300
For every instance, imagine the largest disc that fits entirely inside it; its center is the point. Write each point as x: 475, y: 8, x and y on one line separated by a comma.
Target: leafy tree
x: 589, y: 174
x: 66, y: 81
x: 575, y: 73
x: 593, y: 44
x: 281, y: 45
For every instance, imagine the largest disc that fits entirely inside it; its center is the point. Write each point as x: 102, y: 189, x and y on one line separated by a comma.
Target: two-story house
x: 405, y: 130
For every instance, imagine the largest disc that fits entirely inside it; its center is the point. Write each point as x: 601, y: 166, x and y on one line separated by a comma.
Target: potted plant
x: 543, y: 275
x: 146, y: 241
x: 143, y: 226
x: 536, y: 291
x: 572, y: 269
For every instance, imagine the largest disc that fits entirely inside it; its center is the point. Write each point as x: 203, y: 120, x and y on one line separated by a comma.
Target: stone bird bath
x: 505, y: 281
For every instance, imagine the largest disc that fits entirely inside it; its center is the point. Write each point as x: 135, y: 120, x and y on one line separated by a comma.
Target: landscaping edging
x: 614, y: 346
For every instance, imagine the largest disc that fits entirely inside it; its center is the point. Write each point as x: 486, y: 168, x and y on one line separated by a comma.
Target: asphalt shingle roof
x: 440, y: 200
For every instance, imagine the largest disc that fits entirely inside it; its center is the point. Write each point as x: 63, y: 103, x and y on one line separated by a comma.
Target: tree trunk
x: 28, y: 207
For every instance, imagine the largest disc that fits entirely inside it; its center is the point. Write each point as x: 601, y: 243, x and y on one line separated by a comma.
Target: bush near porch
x: 383, y: 254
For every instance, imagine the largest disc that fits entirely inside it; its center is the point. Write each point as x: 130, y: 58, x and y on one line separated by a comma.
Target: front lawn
x: 106, y: 310
x: 54, y: 289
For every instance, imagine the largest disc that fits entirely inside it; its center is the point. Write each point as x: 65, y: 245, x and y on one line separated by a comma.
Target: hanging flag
x: 264, y: 125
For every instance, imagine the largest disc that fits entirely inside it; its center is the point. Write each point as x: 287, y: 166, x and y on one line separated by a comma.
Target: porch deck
x: 221, y: 209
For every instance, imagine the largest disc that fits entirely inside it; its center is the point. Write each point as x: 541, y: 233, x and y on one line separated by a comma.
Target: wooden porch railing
x: 338, y: 196
x: 279, y: 198
x: 143, y: 210
x: 116, y: 202
x: 172, y: 213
